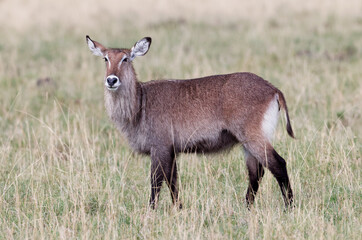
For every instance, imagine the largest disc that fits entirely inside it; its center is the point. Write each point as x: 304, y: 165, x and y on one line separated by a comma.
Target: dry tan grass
x: 66, y: 172
x: 22, y: 14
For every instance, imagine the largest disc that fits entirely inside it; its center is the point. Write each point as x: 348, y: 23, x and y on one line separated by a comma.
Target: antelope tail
x: 283, y: 105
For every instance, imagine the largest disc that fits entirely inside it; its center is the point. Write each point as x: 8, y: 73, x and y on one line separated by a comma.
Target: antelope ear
x: 96, y: 48
x: 141, y: 47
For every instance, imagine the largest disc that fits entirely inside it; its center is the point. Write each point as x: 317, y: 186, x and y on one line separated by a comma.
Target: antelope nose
x: 112, y: 80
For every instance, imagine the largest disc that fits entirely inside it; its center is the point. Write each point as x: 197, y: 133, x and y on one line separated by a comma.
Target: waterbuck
x: 166, y: 117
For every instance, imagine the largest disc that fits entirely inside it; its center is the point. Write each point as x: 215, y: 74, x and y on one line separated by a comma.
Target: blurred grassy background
x: 67, y: 173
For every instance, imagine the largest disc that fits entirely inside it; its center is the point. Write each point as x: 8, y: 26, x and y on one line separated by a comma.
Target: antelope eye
x: 125, y: 60
x: 105, y: 59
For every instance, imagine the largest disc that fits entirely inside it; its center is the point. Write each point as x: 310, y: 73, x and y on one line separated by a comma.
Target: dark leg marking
x: 256, y: 172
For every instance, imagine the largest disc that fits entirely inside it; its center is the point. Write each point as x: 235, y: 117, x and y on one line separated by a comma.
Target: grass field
x: 67, y: 173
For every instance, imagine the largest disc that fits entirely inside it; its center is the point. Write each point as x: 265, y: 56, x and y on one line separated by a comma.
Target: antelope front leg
x: 163, y: 167
x: 157, y: 177
x: 172, y: 182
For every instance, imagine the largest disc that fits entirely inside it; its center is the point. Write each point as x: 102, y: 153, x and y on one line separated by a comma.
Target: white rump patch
x: 270, y: 119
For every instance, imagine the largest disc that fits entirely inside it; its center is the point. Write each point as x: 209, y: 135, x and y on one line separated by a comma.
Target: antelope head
x: 118, y: 61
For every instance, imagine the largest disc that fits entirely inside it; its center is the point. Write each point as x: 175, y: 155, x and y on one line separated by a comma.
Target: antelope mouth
x: 112, y: 88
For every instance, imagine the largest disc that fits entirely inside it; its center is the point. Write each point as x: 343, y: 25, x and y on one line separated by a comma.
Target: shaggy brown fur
x: 209, y: 114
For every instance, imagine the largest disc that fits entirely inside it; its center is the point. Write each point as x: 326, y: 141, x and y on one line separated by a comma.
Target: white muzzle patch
x: 112, y: 82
